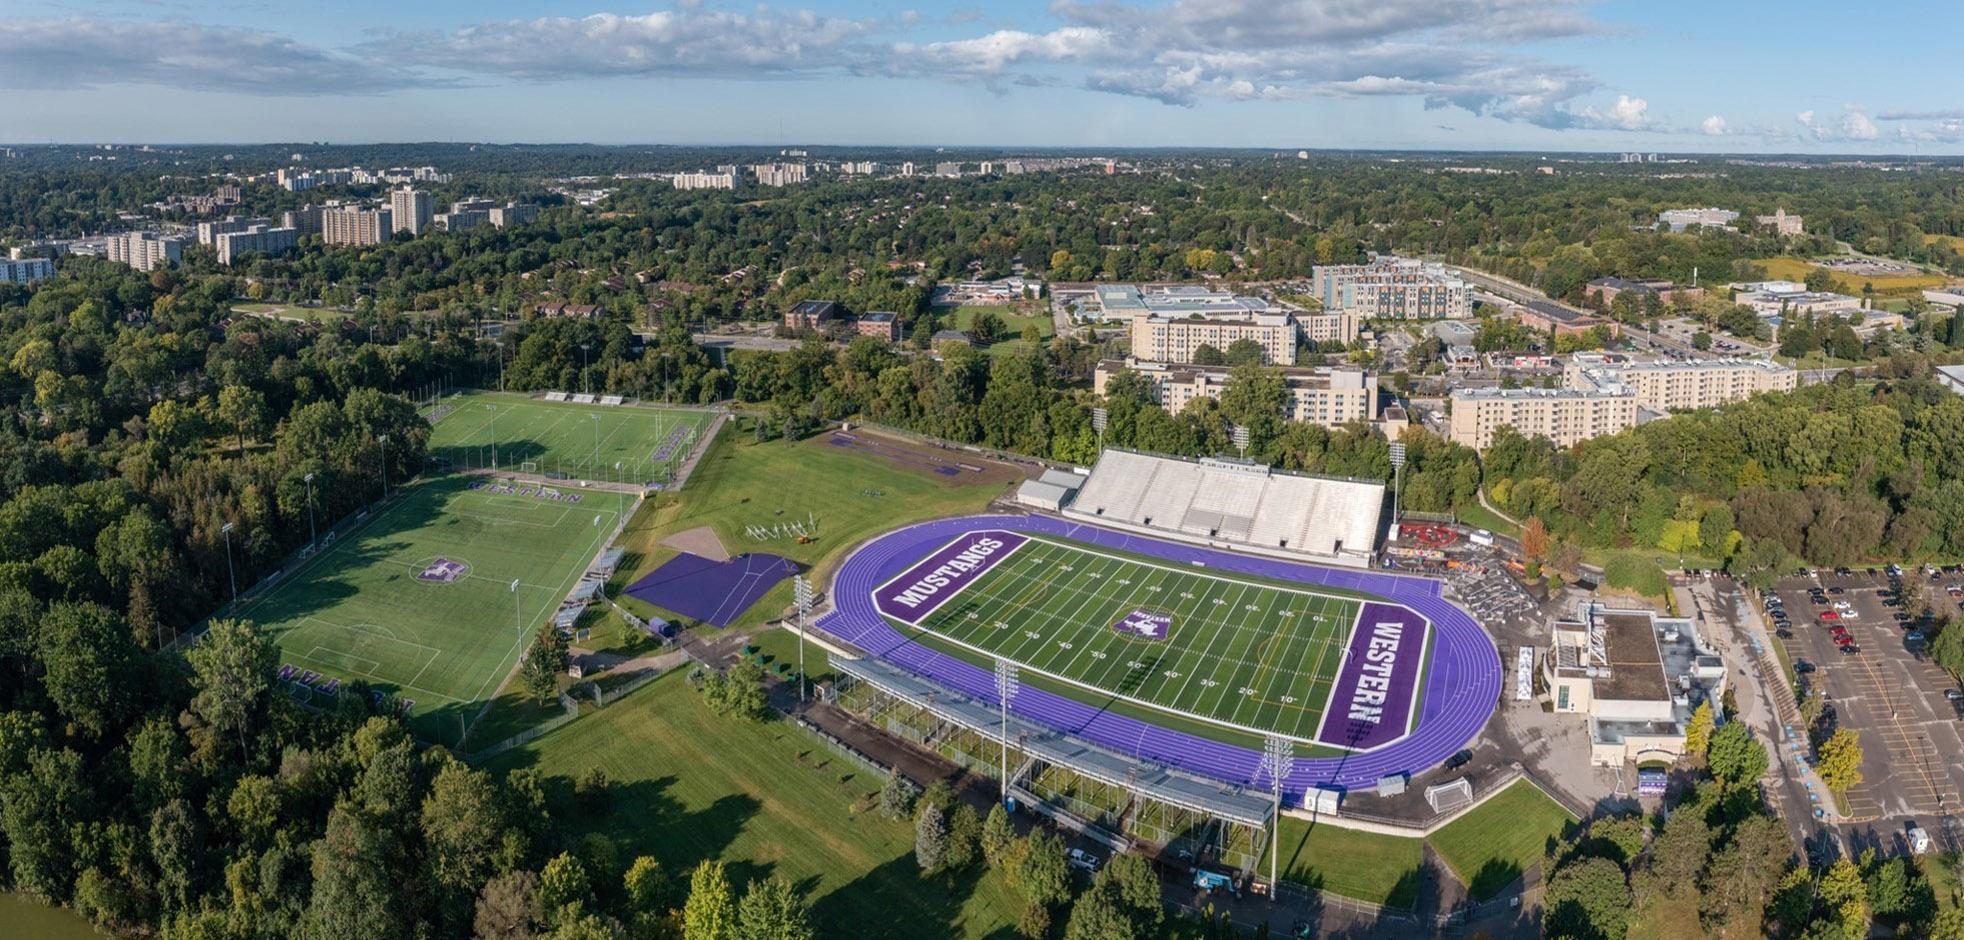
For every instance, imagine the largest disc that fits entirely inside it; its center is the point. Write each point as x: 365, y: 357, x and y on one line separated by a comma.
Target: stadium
x: 1180, y: 621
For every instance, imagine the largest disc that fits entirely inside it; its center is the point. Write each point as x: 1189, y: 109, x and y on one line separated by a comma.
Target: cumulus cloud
x: 1714, y: 126
x: 85, y: 52
x: 1627, y: 114
x: 1852, y: 124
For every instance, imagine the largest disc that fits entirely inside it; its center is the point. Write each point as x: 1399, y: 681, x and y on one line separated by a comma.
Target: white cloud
x: 1853, y: 124
x: 1714, y: 126
x: 85, y: 52
x: 1627, y: 114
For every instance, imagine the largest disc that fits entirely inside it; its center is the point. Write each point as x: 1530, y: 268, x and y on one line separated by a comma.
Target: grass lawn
x: 768, y: 800
x: 781, y: 646
x: 1474, y: 514
x: 292, y: 312
x: 1367, y: 866
x: 418, y: 602
x: 1502, y: 839
x: 520, y: 433
x: 740, y: 482
x: 1796, y: 269
x: 1013, y: 319
x: 1666, y: 919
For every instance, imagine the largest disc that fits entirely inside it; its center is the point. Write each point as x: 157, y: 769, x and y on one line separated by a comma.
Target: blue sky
x: 1532, y: 75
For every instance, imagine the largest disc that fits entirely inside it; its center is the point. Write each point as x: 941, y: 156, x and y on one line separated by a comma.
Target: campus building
x: 1677, y: 220
x: 1634, y: 677
x: 725, y: 178
x: 26, y: 270
x: 1567, y: 416
x: 884, y: 324
x: 1331, y: 397
x: 411, y: 210
x: 264, y: 239
x: 1160, y: 339
x: 1681, y: 385
x: 808, y: 315
x: 1781, y: 223
x: 145, y: 251
x: 354, y: 226
x: 1342, y: 326
x: 1603, y: 290
x: 1549, y: 317
x: 1390, y: 287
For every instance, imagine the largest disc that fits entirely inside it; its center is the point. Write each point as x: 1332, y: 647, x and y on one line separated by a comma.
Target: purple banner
x: 1144, y: 624
x: 1372, y: 701
x: 922, y: 589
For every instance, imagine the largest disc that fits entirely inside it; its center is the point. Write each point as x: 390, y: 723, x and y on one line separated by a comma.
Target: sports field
x: 1237, y: 652
x: 419, y: 601
x: 526, y: 435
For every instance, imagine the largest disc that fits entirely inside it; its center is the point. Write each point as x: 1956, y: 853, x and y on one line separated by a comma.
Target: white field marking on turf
x: 315, y: 653
x: 1321, y: 641
x: 960, y: 588
x: 1109, y: 579
x: 1206, y: 659
x: 377, y: 632
x: 1185, y: 652
x: 1190, y: 658
x: 343, y: 543
x: 1053, y: 618
x: 1279, y: 683
x: 576, y: 571
x: 1269, y: 615
x: 995, y: 604
x: 1043, y: 644
x: 1112, y: 640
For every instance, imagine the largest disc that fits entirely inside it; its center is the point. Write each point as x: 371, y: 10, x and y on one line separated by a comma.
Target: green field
x: 1501, y: 839
x: 358, y: 611
x: 768, y: 800
x: 292, y: 312
x: 1367, y: 866
x: 739, y: 482
x: 592, y: 442
x: 1241, y: 653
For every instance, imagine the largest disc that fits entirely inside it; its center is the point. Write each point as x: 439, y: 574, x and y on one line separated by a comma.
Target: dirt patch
x: 701, y: 541
x: 958, y: 465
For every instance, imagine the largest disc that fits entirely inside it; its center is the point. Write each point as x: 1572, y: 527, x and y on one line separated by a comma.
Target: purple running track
x: 1460, y: 690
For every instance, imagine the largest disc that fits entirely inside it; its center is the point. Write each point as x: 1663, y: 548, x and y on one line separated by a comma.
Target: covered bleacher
x: 1233, y: 504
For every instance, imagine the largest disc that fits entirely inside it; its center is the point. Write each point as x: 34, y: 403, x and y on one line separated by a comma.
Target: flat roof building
x: 812, y: 315
x: 26, y: 270
x: 1549, y: 317
x: 1677, y: 220
x: 262, y: 239
x: 349, y: 225
x: 145, y: 251
x: 411, y: 210
x: 1341, y: 326
x: 1567, y: 416
x: 1681, y: 385
x: 1390, y: 287
x: 1330, y: 397
x: 884, y: 324
x: 1163, y: 339
x: 1635, y: 676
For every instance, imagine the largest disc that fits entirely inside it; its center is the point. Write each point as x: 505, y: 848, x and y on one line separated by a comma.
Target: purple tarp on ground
x: 1461, y: 689
x: 922, y: 589
x: 1371, y: 703
x: 716, y: 592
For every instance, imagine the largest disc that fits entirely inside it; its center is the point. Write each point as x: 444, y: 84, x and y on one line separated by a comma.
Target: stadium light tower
x: 586, y: 383
x: 230, y: 577
x: 1397, y: 482
x: 1100, y: 417
x: 494, y: 430
x: 1005, y: 690
x: 517, y: 619
x: 1276, y: 757
x: 384, y: 438
x: 1239, y: 434
x: 313, y: 535
x: 802, y: 587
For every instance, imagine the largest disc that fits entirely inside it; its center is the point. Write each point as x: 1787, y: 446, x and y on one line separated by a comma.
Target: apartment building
x: 305, y: 221
x: 778, y: 174
x: 208, y: 232
x: 1340, y: 326
x: 1567, y: 416
x: 265, y: 239
x: 884, y: 324
x: 411, y: 210
x: 1681, y: 385
x: 26, y: 270
x: 353, y: 226
x: 513, y: 214
x: 702, y: 179
x: 145, y: 251
x: 1394, y: 288
x: 1331, y: 397
x: 1163, y: 339
x: 457, y: 221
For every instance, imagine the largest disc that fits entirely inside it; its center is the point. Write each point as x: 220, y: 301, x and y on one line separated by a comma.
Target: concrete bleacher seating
x: 612, y: 400
x: 555, y: 396
x: 1221, y: 501
x: 582, y: 399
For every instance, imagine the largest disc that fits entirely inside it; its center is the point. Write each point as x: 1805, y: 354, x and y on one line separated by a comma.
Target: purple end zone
x: 922, y: 589
x: 711, y: 591
x: 1462, y: 686
x: 1372, y: 701
x: 1144, y: 624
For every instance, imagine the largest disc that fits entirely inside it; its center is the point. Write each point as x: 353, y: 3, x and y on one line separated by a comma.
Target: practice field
x: 419, y: 601
x: 1267, y: 659
x: 527, y: 435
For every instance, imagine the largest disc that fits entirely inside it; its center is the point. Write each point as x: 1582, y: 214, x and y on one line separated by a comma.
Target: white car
x: 1083, y: 861
x: 1843, y: 606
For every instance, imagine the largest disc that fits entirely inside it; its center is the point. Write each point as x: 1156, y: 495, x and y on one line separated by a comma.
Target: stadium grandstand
x: 1234, y: 504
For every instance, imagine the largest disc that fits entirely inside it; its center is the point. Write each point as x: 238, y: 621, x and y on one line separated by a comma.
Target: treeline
x: 1828, y: 475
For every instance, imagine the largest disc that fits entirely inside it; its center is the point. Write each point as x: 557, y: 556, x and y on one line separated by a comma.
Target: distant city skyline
x: 1522, y: 75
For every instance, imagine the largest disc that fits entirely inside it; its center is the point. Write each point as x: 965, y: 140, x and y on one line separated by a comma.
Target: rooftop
x: 1609, y: 389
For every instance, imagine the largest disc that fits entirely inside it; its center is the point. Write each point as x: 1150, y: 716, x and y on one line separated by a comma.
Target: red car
x: 1830, y: 615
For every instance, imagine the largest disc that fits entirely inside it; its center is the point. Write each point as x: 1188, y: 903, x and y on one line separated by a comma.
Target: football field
x: 521, y: 434
x: 419, y: 601
x: 1243, y: 653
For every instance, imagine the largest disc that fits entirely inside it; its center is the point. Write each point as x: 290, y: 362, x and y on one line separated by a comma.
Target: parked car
x: 1803, y: 666
x: 1915, y: 636
x: 1830, y: 615
x: 1083, y: 861
x: 1850, y: 648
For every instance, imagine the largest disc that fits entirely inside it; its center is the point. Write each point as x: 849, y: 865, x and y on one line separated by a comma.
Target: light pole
x: 803, y: 588
x: 231, y: 577
x: 494, y: 430
x: 586, y: 385
x: 313, y: 534
x: 1397, y: 482
x: 1005, y: 690
x: 1277, y: 756
x: 517, y: 619
x: 384, y: 438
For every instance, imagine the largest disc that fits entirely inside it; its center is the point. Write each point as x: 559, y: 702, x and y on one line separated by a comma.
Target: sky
x: 1737, y: 76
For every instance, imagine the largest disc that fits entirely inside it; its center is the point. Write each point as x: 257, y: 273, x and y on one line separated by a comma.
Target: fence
x: 610, y: 695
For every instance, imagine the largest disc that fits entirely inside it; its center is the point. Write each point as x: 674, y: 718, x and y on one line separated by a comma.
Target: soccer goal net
x: 1449, y: 796
x: 529, y: 466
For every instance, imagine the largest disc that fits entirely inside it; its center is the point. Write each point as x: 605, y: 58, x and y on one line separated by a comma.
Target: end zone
x: 923, y: 588
x: 1371, y: 702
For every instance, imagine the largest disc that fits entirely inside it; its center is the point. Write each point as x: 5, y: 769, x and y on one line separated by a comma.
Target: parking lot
x: 1879, y: 683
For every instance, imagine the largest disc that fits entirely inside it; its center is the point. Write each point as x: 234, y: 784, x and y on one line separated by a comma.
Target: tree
x: 710, y: 912
x: 244, y: 409
x: 1701, y: 340
x: 564, y: 890
x: 231, y: 668
x: 896, y: 796
x: 930, y: 839
x: 355, y: 894
x: 964, y: 837
x: 1096, y: 916
x: 1244, y: 352
x: 649, y: 890
x: 88, y: 662
x: 463, y: 827
x: 1845, y: 897
x: 772, y: 910
x: 1042, y: 874
x: 504, y: 907
x: 1698, y: 734
x: 1680, y: 852
x: 997, y: 834
x: 1534, y: 539
x: 1207, y: 354
x: 1734, y: 756
x: 1840, y: 761
x: 543, y: 664
x: 1588, y: 899
x: 177, y: 846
